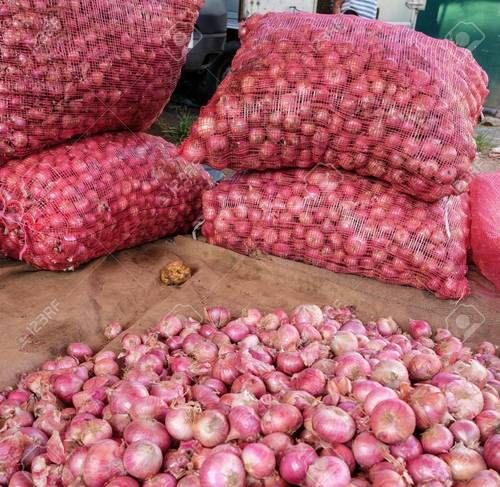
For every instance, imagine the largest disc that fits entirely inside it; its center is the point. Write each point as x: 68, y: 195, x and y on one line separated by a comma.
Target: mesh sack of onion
x: 377, y: 99
x: 72, y: 67
x: 67, y: 205
x: 485, y: 224
x: 344, y: 223
x: 311, y: 398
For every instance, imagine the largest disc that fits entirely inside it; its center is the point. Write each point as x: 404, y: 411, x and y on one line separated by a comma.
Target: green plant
x: 178, y: 131
x: 484, y: 141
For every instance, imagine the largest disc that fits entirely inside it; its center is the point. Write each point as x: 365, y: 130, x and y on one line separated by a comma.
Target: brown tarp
x: 41, y: 312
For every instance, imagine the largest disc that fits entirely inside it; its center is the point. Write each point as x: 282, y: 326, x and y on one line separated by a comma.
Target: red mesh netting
x: 378, y: 99
x: 485, y: 225
x: 344, y: 223
x: 72, y: 67
x: 67, y: 205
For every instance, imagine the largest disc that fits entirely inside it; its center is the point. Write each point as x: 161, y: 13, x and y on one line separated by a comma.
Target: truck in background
x: 215, y: 39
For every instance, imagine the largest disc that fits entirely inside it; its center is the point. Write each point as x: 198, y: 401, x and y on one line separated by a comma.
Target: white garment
x: 364, y: 8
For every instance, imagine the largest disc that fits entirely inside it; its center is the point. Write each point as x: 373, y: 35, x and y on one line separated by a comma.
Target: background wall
x: 474, y: 24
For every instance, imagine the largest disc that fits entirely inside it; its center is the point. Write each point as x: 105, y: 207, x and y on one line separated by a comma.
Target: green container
x: 473, y: 24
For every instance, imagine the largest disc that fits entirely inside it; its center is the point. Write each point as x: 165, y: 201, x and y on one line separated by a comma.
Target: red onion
x: 278, y: 442
x: 310, y: 380
x: 491, y: 452
x: 295, y: 463
x: 464, y: 462
x: 179, y: 421
x: 236, y: 330
x: 66, y: 385
x: 428, y: 468
x: 333, y: 425
x: 222, y: 469
x: 244, y: 424
x: 123, y: 482
x: 142, y: 459
x: 286, y: 337
x: 307, y: 313
x: 407, y: 449
x: 361, y: 388
x: 217, y: 316
x: 282, y: 418
x: 80, y: 351
x: 424, y: 366
x: 428, y: 404
x: 161, y: 480
x: 471, y: 370
x: 344, y: 342
x: 277, y: 382
x: 327, y: 366
x: 464, y: 399
x: 465, y: 431
x: 488, y: 423
x: 437, y: 439
x: 210, y: 428
x: 147, y: 429
x: 190, y: 480
x: 21, y: 479
x: 249, y: 383
x: 485, y: 479
x: 103, y: 462
x: 387, y: 327
x: 367, y: 450
x: 289, y: 362
x: 374, y: 398
x: 353, y: 366
x: 258, y: 459
x: 328, y: 471
x: 35, y: 445
x: 392, y: 421
x: 419, y: 328
x: 112, y: 330
x: 340, y: 451
x: 390, y: 373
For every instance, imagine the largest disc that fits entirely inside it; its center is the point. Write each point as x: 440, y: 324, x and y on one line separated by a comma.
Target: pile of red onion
x: 377, y: 99
x: 344, y: 223
x: 67, y: 205
x: 315, y: 398
x: 86, y: 66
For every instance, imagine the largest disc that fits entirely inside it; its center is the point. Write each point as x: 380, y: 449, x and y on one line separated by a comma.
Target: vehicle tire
x: 213, y: 76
